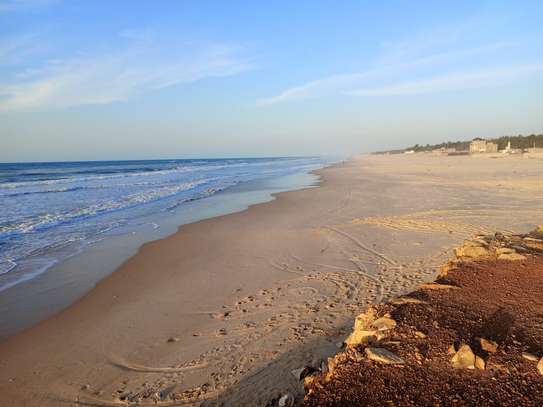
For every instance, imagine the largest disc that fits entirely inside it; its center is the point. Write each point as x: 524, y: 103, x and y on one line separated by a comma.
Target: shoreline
x: 222, y: 309
x: 63, y: 289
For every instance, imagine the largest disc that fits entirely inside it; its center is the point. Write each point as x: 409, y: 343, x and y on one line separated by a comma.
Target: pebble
x: 383, y: 356
x: 286, y: 400
x: 173, y: 339
x: 529, y: 356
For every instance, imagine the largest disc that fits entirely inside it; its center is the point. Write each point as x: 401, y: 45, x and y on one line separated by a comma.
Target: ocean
x: 52, y: 211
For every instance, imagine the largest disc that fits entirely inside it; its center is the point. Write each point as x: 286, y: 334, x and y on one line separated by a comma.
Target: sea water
x: 51, y: 211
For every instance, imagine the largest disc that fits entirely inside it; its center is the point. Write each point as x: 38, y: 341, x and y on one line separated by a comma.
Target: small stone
x: 540, y: 366
x: 488, y: 345
x: 451, y: 350
x: 420, y: 334
x: 173, y: 339
x: 85, y: 387
x: 529, y: 356
x: 384, y: 323
x: 479, y: 363
x: 382, y: 355
x: 464, y: 358
x: 286, y: 400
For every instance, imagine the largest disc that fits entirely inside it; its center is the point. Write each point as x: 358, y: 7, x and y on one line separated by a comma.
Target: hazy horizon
x: 94, y: 81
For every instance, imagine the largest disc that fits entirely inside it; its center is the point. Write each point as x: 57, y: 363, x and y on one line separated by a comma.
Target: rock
x: 464, y: 358
x: 303, y: 372
x: 479, y: 363
x: 362, y: 330
x: 286, y: 400
x: 173, y: 339
x: 360, y: 337
x: 511, y: 257
x: 85, y: 387
x: 382, y: 355
x: 504, y: 250
x: 538, y: 232
x: 529, y: 356
x: 540, y: 366
x: 420, y: 334
x: 406, y: 300
x: 471, y: 251
x: 435, y: 286
x: 445, y: 268
x: 534, y: 244
x: 384, y: 323
x: 364, y: 320
x: 451, y: 350
x: 488, y: 345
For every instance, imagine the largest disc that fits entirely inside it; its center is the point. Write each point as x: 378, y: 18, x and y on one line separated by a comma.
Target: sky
x: 100, y: 80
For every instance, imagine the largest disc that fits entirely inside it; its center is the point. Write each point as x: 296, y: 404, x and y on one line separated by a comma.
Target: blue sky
x: 147, y: 79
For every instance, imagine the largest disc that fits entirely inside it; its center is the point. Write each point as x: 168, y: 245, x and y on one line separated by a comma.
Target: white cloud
x: 454, y: 81
x: 118, y: 74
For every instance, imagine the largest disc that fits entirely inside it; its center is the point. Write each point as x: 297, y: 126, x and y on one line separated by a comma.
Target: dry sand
x: 245, y: 298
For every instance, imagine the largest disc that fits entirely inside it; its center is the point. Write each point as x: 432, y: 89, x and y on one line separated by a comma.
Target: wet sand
x: 223, y: 310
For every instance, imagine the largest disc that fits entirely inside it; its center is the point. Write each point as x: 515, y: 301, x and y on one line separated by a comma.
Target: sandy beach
x: 224, y: 310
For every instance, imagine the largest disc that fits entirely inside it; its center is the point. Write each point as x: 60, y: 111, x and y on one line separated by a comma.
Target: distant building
x: 479, y: 146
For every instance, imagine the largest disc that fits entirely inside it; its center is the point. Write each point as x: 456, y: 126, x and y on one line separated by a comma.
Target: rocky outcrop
x: 381, y: 344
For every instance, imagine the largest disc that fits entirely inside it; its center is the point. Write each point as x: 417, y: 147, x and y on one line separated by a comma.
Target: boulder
x: 488, y: 345
x: 464, y: 358
x: 382, y: 355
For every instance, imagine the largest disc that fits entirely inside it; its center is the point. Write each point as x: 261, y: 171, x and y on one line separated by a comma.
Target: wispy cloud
x: 25, y: 5
x: 118, y: 74
x: 434, y: 60
x: 455, y: 81
x: 346, y: 83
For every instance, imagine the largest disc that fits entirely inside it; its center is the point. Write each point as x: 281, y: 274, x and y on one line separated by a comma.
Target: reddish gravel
x: 498, y: 300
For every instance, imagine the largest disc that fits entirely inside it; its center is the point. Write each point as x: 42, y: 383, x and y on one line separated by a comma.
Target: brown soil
x: 497, y: 300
